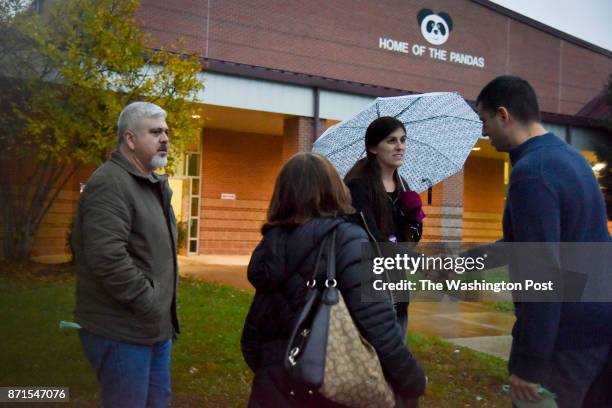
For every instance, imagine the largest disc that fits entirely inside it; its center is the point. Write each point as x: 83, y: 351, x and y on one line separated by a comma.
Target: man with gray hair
x: 124, y: 241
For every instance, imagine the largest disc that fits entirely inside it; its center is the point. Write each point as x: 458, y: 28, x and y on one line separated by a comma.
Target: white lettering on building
x: 390, y: 44
x: 393, y: 45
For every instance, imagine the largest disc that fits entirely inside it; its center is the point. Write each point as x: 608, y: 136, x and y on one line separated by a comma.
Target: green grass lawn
x: 208, y: 370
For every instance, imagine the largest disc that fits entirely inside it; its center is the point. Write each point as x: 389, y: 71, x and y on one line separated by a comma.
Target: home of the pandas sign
x: 436, y: 29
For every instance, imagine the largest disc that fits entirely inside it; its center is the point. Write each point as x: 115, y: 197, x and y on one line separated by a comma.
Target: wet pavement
x: 467, y: 324
x: 226, y: 269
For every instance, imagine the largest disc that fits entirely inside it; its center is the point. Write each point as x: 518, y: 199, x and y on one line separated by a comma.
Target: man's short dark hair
x: 514, y: 94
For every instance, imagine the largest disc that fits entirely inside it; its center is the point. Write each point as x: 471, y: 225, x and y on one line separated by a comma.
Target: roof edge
x: 296, y: 78
x: 543, y: 27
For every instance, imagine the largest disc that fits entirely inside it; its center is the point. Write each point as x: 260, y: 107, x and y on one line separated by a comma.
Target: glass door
x: 192, y: 167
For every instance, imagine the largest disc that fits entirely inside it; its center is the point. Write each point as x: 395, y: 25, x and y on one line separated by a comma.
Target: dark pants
x: 131, y: 375
x: 600, y: 393
x: 579, y: 377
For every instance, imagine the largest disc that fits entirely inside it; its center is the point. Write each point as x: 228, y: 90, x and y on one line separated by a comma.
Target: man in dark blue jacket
x: 553, y: 196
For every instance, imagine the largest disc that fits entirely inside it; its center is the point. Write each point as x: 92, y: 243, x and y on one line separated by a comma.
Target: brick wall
x: 246, y: 165
x: 51, y: 238
x: 231, y: 226
x: 50, y: 244
x: 243, y: 164
x: 483, y: 200
x: 443, y: 221
x: 484, y: 185
x: 327, y: 38
x: 298, y: 135
x: 482, y: 226
x: 582, y: 74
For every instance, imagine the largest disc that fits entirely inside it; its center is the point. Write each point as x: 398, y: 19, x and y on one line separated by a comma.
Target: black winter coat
x: 404, y: 230
x: 279, y: 268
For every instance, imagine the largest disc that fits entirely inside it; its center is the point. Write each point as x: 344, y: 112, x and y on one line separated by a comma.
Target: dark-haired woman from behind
x: 391, y: 212
x: 309, y: 202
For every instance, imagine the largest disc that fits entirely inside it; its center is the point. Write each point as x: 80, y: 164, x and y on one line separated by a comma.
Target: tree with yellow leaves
x: 67, y: 68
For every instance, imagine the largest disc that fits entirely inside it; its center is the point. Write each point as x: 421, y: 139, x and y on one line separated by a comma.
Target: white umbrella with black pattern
x: 441, y: 130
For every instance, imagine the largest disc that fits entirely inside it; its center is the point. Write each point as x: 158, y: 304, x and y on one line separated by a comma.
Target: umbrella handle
x: 427, y: 181
x: 429, y: 191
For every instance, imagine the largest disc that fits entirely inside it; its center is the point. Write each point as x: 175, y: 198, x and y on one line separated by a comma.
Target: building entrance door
x: 186, y: 202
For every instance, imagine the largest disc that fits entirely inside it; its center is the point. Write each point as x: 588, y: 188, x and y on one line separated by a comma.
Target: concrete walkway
x: 227, y: 269
x: 467, y: 324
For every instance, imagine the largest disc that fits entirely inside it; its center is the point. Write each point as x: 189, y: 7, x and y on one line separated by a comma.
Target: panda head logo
x: 435, y: 27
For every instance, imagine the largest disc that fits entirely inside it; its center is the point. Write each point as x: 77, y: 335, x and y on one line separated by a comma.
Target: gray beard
x: 158, y: 162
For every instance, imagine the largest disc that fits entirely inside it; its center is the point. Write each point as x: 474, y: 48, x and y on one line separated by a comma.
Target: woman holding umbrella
x: 391, y: 211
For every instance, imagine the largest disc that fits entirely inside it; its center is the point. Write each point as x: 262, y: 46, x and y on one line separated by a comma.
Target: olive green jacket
x: 124, y: 241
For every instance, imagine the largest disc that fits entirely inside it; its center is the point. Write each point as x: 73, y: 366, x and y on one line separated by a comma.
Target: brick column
x: 449, y: 193
x: 444, y: 220
x: 298, y: 135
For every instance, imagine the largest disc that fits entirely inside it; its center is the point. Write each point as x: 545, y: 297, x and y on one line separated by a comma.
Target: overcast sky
x: 590, y: 20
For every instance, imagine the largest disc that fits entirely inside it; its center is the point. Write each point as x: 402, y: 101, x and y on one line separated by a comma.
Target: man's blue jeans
x: 130, y: 375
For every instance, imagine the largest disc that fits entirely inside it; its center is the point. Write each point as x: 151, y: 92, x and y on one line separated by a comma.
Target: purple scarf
x: 412, y: 205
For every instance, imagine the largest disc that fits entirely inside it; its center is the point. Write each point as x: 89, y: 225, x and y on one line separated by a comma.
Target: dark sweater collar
x: 537, y: 142
x: 119, y: 159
